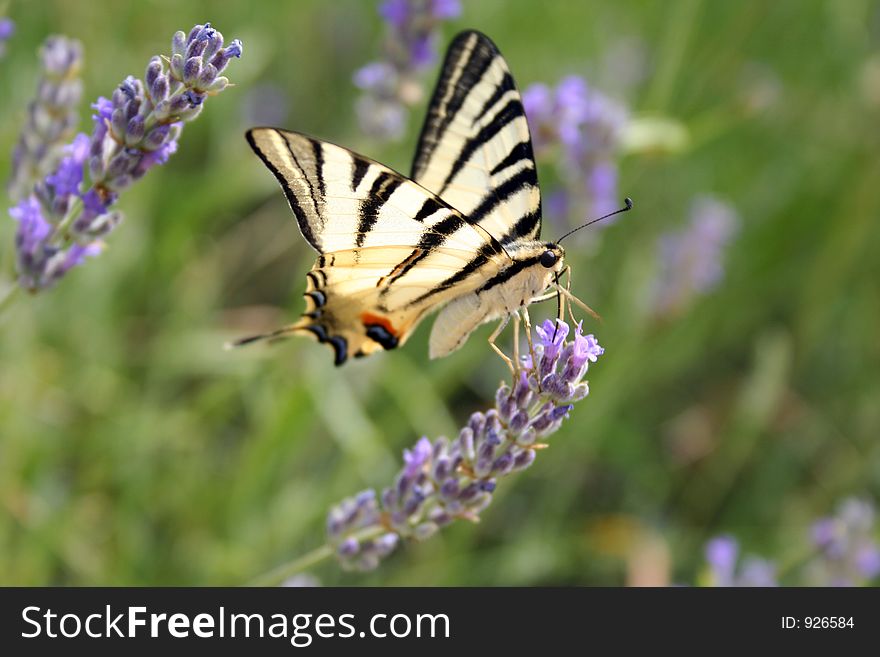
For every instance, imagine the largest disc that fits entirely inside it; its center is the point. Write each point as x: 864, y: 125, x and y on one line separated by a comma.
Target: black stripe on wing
x: 476, y: 120
x: 383, y: 187
x: 445, y: 103
x: 299, y: 212
x: 480, y: 258
x: 511, y: 111
x: 524, y: 178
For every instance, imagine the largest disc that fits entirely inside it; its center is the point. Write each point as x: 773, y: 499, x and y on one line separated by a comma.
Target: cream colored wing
x: 358, y: 301
x: 389, y: 250
x: 475, y: 151
x: 343, y: 200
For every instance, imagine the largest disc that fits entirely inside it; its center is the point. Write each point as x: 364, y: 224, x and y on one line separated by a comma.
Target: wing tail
x: 272, y: 336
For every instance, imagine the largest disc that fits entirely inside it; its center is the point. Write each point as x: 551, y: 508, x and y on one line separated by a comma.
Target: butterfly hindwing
x: 475, y: 151
x: 358, y: 302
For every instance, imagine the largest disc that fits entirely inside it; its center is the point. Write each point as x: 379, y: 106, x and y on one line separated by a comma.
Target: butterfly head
x: 552, y: 257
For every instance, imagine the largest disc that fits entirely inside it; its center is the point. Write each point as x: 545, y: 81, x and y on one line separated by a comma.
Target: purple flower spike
x: 448, y: 480
x: 51, y: 116
x: 394, y: 83
x: 586, y: 126
x: 61, y: 215
x: 849, y: 552
x: 691, y: 260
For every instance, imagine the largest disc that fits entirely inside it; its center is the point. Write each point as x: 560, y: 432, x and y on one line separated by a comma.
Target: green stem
x: 680, y: 26
x: 7, y: 296
x: 287, y: 570
x: 795, y: 561
x: 72, y: 214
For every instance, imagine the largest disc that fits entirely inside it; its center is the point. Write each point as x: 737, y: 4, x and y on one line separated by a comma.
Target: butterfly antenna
x: 628, y: 206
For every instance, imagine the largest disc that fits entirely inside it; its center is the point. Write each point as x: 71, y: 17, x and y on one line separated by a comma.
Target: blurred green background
x: 135, y: 450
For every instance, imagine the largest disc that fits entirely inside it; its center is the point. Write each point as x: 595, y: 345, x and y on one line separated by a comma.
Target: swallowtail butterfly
x: 460, y: 235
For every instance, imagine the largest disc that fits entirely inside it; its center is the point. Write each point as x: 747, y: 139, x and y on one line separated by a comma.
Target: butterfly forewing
x: 475, y: 151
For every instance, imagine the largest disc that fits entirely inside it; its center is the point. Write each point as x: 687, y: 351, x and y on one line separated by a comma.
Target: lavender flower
x: 849, y: 553
x: 51, y: 117
x: 394, y: 83
x: 691, y: 259
x: 7, y: 29
x: 586, y: 126
x: 61, y: 220
x: 722, y: 554
x: 446, y: 480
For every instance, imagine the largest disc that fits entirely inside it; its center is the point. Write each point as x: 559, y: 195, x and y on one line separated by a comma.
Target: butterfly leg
x: 578, y: 302
x: 528, y: 326
x: 516, y: 358
x: 544, y: 297
x: 564, y: 297
x: 496, y: 348
x: 560, y: 300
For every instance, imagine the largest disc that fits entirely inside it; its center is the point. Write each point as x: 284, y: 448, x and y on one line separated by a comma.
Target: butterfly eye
x: 548, y: 259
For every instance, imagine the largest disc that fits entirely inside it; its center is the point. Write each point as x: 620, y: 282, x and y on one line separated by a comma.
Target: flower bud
x: 178, y: 43
x: 154, y: 69
x: 191, y: 70
x: 159, y: 89
x: 206, y: 77
x: 176, y: 66
x: 134, y: 132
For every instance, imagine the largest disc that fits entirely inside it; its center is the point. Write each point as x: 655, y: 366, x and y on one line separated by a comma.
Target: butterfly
x: 459, y: 236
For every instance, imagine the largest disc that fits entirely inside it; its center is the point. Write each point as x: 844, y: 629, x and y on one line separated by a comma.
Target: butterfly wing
x: 363, y: 300
x: 475, y: 151
x: 390, y: 251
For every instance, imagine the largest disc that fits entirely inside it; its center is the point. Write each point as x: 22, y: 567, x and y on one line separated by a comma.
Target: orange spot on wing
x: 384, y: 322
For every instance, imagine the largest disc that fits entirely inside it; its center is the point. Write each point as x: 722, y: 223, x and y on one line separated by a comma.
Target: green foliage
x: 135, y: 450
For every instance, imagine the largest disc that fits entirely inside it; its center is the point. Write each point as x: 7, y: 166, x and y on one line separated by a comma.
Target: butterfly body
x: 461, y: 235
x: 513, y: 287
